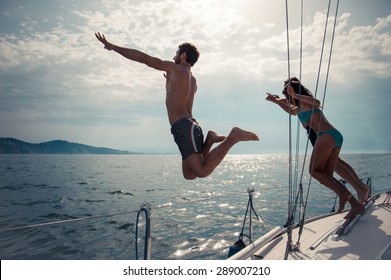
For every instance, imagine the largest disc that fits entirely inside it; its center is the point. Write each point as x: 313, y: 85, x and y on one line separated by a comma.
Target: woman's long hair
x: 297, y: 87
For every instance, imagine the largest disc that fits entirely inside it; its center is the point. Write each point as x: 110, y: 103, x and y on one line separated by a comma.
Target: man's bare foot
x: 213, y: 137
x: 237, y: 134
x: 342, y: 202
x: 355, y: 211
x: 363, y: 195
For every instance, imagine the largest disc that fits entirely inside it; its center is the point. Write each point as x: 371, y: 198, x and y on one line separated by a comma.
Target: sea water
x: 81, y: 207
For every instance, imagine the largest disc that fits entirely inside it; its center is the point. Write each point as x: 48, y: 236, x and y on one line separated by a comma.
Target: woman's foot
x: 363, y: 195
x: 342, y: 202
x: 356, y: 208
x: 354, y: 212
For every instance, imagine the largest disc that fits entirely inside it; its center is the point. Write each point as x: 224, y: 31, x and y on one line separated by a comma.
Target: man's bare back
x: 198, y: 159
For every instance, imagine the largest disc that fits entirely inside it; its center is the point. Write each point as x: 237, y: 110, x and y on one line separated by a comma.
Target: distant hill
x: 15, y: 146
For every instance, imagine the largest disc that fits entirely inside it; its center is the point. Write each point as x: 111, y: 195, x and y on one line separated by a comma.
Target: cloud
x: 357, y: 49
x: 364, y: 49
x: 225, y: 39
x: 54, y: 71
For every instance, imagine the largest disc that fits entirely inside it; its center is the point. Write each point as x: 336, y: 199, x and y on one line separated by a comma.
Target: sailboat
x: 327, y: 237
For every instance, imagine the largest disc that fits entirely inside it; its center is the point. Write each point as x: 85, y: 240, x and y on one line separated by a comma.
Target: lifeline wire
x: 107, y: 215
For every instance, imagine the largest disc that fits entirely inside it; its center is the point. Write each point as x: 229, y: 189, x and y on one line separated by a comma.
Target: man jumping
x: 198, y: 160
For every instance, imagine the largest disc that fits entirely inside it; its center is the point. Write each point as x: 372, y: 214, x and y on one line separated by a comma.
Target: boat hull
x: 369, y: 238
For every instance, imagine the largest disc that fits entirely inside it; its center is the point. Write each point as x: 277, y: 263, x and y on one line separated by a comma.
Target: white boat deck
x: 368, y: 239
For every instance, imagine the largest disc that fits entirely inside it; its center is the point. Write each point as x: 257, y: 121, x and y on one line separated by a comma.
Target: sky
x: 58, y: 82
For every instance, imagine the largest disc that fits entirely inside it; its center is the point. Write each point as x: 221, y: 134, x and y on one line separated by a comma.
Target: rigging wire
x: 289, y: 221
x: 66, y: 221
x: 298, y: 121
x: 324, y: 97
x: 299, y: 200
x: 318, y: 74
x: 298, y: 186
x: 331, y: 52
x: 322, y: 50
x: 109, y: 215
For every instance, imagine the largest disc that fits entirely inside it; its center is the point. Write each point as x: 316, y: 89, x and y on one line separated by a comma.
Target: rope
x: 323, y: 101
x: 298, y: 188
x: 322, y: 50
x: 287, y: 37
x: 299, y: 192
x: 331, y: 52
x: 107, y: 215
x: 250, y: 207
x: 289, y: 221
x: 66, y: 221
x: 289, y: 115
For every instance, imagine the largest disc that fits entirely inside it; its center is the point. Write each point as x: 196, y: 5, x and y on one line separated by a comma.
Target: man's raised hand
x: 103, y: 40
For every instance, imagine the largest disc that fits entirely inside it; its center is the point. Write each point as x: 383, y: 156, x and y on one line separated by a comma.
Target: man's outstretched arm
x: 136, y: 55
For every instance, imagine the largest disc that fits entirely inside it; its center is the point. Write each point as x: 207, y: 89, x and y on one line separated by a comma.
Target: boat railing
x: 145, y: 208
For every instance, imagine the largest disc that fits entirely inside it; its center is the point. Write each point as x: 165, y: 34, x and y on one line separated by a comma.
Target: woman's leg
x: 346, y: 172
x: 323, y: 162
x: 321, y: 168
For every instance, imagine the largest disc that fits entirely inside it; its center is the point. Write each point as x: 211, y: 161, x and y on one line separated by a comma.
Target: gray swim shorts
x: 188, y: 136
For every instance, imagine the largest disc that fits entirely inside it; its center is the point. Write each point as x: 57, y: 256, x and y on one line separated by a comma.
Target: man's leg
x: 211, y: 138
x: 203, y: 166
x: 188, y: 173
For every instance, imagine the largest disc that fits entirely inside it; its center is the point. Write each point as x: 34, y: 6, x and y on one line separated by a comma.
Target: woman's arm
x: 303, y: 98
x: 283, y: 103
